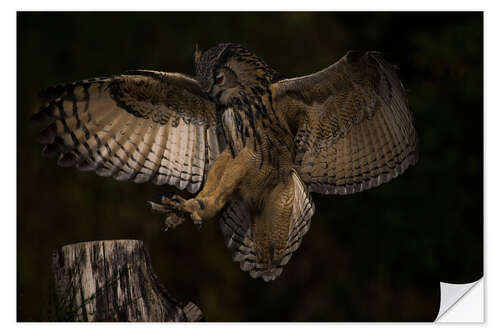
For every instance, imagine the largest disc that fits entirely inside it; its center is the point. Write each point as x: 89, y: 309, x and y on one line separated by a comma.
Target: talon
x: 197, y: 223
x: 179, y: 210
x: 180, y: 199
x: 158, y: 207
x: 172, y: 221
x: 167, y: 201
x: 196, y: 220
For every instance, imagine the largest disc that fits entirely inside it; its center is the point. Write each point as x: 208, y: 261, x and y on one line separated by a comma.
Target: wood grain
x: 112, y: 280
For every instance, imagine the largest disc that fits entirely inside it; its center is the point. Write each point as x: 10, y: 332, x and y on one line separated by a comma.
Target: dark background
x: 374, y: 256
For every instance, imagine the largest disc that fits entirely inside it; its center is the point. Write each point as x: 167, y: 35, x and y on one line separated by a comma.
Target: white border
x: 227, y: 5
x: 8, y: 139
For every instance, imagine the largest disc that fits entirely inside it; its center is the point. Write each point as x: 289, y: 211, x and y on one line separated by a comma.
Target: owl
x: 249, y: 144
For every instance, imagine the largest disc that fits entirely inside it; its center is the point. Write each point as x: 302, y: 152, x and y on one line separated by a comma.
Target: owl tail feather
x: 236, y: 225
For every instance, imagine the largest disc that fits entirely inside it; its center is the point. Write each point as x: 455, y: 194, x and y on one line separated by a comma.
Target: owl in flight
x: 248, y: 143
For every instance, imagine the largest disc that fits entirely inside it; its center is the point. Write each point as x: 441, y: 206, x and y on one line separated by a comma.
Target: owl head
x: 229, y: 72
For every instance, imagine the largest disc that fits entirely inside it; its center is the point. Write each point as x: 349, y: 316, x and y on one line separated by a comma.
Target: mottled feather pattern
x: 303, y: 211
x: 355, y: 131
x: 141, y: 126
x: 236, y: 225
x: 251, y: 145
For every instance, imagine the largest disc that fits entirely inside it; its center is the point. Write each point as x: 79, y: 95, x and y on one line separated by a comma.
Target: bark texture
x: 112, y: 281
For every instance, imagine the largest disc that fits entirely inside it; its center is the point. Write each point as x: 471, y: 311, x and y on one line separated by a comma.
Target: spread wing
x: 353, y: 128
x: 140, y: 126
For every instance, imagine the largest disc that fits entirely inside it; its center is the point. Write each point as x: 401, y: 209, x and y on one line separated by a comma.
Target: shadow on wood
x: 112, y: 281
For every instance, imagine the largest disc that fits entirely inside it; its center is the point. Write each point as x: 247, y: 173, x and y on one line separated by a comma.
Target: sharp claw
x: 197, y: 222
x: 178, y: 198
x: 158, y: 207
x: 166, y: 201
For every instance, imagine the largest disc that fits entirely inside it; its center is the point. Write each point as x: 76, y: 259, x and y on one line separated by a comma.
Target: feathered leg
x: 223, y: 178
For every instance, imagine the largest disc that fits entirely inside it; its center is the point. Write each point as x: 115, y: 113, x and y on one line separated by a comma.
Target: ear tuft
x: 197, y: 54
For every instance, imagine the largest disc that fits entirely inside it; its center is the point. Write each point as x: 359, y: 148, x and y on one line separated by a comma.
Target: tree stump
x: 112, y: 281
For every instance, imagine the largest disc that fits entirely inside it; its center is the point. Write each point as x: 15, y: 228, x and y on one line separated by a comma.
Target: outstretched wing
x: 352, y: 125
x: 142, y: 126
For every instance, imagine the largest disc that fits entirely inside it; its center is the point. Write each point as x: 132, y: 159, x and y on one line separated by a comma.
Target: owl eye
x: 219, y: 79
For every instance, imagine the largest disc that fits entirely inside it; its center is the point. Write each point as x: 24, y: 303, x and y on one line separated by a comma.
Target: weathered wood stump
x: 112, y: 281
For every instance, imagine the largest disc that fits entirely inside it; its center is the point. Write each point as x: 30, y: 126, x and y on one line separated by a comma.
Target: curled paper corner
x: 461, y: 302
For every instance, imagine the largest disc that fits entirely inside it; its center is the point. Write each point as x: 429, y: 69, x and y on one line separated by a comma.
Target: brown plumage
x: 248, y: 143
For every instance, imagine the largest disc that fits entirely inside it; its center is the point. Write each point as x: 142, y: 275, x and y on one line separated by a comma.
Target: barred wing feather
x: 353, y: 128
x: 140, y: 126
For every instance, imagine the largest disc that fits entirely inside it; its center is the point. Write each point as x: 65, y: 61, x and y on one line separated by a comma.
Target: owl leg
x: 179, y: 209
x: 215, y: 174
x: 223, y: 179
